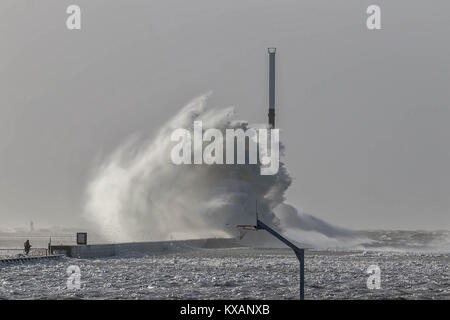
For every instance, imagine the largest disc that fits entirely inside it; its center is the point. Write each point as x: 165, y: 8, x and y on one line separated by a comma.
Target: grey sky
x: 364, y: 114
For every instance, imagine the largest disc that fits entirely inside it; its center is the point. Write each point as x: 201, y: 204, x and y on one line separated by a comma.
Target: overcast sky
x: 364, y: 114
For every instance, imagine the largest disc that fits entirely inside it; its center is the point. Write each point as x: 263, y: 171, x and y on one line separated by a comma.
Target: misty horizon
x: 363, y: 115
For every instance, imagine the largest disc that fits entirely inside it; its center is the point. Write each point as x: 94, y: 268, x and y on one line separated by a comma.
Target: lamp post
x: 272, y: 52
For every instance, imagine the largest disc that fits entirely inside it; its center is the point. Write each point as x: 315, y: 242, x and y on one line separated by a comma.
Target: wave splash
x: 138, y: 194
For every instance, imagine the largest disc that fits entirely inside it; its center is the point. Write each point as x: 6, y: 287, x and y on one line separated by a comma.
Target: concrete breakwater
x: 30, y: 259
x: 157, y: 247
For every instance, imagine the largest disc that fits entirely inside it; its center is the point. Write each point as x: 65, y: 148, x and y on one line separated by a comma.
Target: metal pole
x: 300, y: 253
x: 301, y: 258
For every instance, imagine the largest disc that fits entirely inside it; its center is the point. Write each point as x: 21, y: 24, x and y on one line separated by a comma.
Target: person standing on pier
x: 27, y: 246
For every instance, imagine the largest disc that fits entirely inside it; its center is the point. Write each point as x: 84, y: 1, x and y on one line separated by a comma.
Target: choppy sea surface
x: 414, y: 265
x: 241, y: 273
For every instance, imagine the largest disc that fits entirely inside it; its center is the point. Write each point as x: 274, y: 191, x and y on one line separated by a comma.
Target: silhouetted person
x: 27, y: 247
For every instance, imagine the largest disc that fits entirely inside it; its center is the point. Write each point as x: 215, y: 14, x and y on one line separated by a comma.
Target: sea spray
x: 139, y: 194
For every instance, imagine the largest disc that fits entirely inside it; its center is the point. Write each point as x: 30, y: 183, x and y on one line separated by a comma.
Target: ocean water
x: 239, y: 273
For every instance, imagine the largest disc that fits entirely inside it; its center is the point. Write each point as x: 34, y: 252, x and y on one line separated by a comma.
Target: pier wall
x: 151, y: 248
